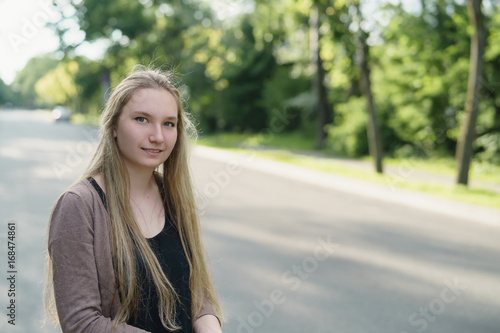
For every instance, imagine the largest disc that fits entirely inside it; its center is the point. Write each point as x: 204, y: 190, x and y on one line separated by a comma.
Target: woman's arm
x: 207, y: 320
x: 207, y: 324
x: 75, y: 276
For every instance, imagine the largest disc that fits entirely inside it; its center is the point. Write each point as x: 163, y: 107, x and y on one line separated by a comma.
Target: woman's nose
x: 156, y: 135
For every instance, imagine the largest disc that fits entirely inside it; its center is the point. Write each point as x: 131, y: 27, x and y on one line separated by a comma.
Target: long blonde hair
x: 179, y: 202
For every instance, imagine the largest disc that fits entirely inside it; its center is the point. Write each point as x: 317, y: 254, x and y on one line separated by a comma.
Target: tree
x: 418, y: 80
x: 242, y: 109
x: 24, y: 83
x: 324, y: 113
x: 478, y: 44
x: 373, y: 131
x: 308, y: 61
x: 58, y: 85
x: 178, y: 35
x: 5, y: 93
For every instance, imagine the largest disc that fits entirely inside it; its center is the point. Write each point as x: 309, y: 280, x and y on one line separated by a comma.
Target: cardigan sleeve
x: 75, y: 276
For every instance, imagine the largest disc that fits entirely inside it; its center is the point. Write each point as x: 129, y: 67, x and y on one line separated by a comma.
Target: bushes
x: 347, y: 137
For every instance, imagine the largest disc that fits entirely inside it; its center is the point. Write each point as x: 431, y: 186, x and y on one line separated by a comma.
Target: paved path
x: 388, y: 268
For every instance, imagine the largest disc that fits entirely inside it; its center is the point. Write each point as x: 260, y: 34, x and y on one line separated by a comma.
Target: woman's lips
x: 153, y: 152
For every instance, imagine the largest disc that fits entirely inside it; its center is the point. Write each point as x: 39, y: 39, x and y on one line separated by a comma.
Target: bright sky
x: 23, y: 35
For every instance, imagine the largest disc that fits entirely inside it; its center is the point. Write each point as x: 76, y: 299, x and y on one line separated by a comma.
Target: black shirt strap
x: 99, y: 191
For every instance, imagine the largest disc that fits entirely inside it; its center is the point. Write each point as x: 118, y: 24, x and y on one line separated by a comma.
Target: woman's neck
x: 142, y: 182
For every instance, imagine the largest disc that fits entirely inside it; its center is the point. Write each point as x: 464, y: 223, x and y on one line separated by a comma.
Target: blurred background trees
x: 247, y: 66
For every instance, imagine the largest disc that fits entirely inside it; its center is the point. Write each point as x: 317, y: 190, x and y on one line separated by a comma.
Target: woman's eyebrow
x: 146, y: 114
x: 142, y: 113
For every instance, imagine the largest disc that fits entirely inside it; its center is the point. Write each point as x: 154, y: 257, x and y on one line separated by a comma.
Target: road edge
x: 474, y: 213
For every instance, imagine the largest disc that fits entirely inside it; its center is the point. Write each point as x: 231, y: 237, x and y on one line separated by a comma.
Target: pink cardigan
x: 79, y: 245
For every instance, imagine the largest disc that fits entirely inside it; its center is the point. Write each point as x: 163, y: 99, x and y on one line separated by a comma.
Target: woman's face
x: 146, y: 131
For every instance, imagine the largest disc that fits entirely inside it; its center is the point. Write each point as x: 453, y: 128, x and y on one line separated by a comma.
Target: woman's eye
x: 141, y: 119
x: 169, y: 124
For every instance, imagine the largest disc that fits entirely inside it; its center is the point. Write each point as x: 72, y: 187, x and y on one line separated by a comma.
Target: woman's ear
x: 114, y: 133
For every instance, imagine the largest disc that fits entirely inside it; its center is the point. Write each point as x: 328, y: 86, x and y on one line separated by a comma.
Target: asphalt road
x: 287, y: 255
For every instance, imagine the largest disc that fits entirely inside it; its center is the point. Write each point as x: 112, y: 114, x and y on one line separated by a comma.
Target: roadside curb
x: 474, y: 213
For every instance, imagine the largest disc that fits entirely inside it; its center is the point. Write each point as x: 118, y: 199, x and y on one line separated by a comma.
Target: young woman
x: 124, y: 247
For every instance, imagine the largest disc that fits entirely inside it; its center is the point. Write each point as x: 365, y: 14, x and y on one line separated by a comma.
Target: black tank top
x: 168, y: 249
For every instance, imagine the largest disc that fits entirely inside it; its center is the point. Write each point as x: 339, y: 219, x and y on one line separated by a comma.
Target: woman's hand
x: 207, y: 324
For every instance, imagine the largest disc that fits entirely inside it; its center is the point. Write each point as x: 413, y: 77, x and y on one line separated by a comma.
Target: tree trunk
x: 424, y: 8
x: 325, y: 114
x: 373, y: 131
x: 478, y: 44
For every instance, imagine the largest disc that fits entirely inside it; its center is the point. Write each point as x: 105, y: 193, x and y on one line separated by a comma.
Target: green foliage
x: 242, y: 109
x: 347, y: 137
x: 294, y: 140
x: 283, y: 100
x: 107, y: 16
x: 253, y: 72
x: 421, y: 77
x: 58, y: 87
x: 5, y: 93
x: 25, y: 81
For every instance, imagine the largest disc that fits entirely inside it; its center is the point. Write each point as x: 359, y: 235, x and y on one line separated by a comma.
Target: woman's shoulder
x: 78, y: 208
x: 79, y: 197
x: 81, y: 191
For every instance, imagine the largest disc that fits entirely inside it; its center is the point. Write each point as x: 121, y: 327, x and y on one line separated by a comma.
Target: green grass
x: 447, y: 166
x: 288, y: 143
x: 235, y: 140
